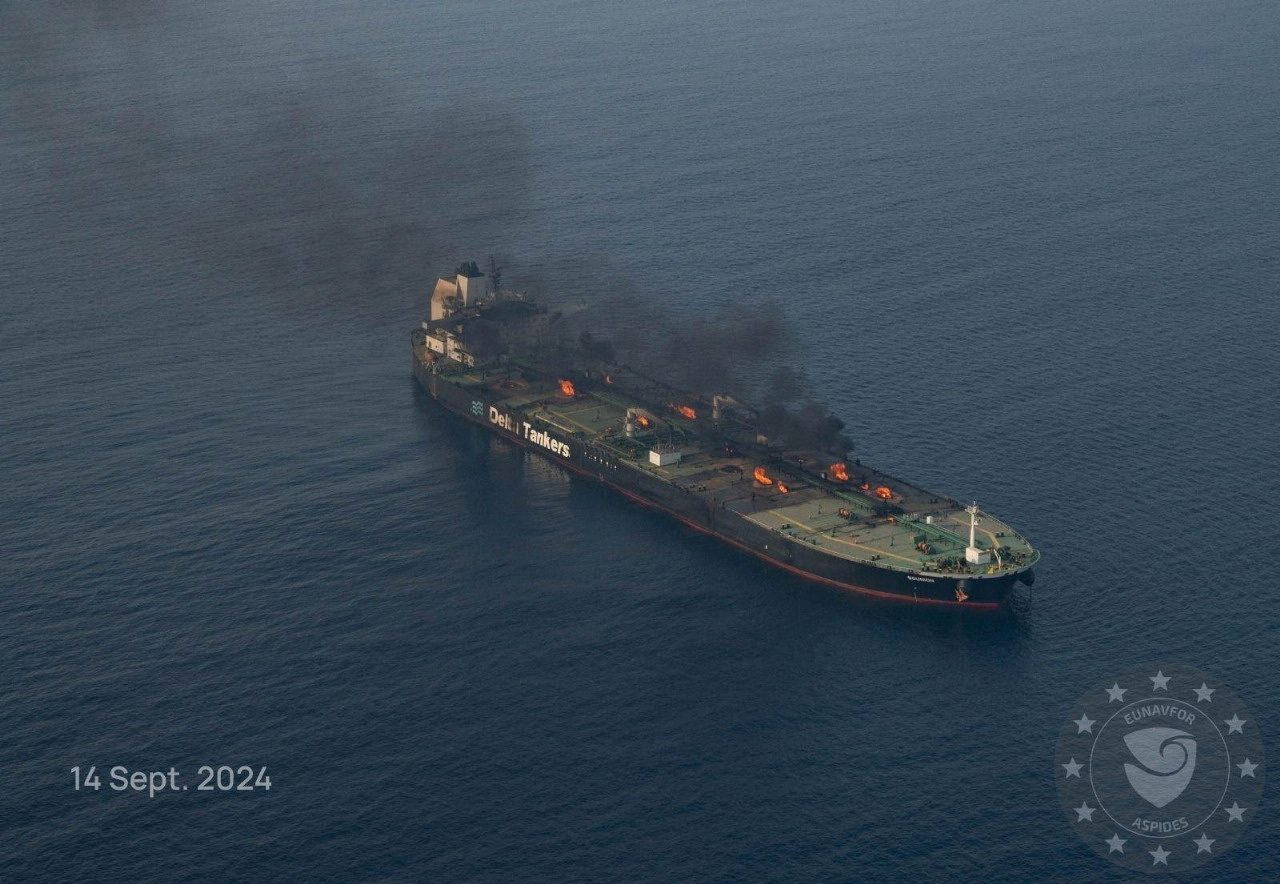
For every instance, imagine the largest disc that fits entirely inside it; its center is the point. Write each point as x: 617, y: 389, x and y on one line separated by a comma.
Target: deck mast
x: 972, y: 554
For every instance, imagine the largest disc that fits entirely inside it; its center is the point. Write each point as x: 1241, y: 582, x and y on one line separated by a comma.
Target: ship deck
x: 913, y: 530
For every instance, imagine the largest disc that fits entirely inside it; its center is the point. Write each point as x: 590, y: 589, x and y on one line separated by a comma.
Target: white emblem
x: 1166, y: 762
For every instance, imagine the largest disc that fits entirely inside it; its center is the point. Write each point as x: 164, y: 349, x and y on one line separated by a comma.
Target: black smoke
x: 316, y: 184
x: 805, y: 424
x: 330, y: 190
x: 745, y: 349
x: 484, y: 339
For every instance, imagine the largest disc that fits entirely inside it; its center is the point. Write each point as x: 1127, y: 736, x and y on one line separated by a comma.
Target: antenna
x: 495, y: 275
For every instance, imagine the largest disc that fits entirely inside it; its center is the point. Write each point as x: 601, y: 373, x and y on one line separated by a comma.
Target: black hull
x: 980, y: 592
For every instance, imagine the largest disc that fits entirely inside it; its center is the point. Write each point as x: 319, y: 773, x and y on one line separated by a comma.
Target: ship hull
x: 798, y: 558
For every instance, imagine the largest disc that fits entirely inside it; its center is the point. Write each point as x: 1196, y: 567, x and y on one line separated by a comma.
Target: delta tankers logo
x: 528, y: 432
x: 1162, y: 771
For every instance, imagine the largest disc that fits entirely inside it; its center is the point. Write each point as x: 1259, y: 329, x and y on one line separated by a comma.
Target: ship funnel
x: 472, y: 285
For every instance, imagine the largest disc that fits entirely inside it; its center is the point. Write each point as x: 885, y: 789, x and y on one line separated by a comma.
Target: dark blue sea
x: 1027, y: 250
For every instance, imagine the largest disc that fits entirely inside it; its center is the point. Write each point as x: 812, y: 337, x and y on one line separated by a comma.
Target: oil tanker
x: 503, y: 362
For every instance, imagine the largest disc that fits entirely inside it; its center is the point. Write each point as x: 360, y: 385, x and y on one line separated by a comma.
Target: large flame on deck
x: 840, y: 472
x: 566, y: 388
x: 762, y: 477
x: 643, y: 421
x: 884, y: 492
x: 687, y: 412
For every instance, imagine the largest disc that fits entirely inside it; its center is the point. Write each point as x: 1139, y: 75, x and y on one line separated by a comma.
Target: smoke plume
x: 323, y: 186
x: 329, y: 190
x: 746, y: 350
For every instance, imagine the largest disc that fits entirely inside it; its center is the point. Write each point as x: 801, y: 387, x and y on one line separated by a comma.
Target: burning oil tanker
x: 500, y: 360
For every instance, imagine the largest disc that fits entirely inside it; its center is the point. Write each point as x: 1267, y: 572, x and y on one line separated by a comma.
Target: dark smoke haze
x: 330, y: 201
x: 324, y: 198
x: 744, y: 349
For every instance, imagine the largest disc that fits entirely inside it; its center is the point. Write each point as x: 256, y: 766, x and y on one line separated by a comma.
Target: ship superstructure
x: 497, y: 360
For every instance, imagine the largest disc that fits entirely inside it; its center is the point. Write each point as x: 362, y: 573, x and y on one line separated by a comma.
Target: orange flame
x: 884, y: 492
x: 643, y: 421
x: 687, y: 412
x: 566, y: 388
x: 839, y: 472
x: 762, y: 477
x: 783, y: 489
x: 865, y: 486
